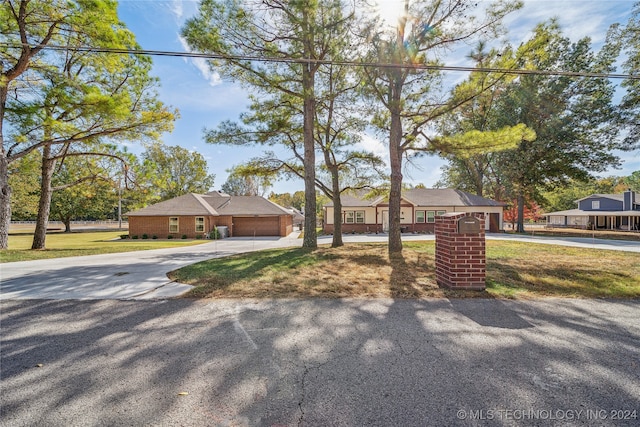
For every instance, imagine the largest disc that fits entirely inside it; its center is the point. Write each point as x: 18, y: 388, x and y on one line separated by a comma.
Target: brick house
x: 419, y: 207
x: 194, y: 215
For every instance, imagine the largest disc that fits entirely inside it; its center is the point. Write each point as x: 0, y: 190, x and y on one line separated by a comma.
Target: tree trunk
x: 5, y: 189
x: 5, y: 203
x: 67, y: 225
x: 44, y: 205
x: 520, y: 213
x: 395, y: 159
x: 310, y: 239
x: 337, y: 212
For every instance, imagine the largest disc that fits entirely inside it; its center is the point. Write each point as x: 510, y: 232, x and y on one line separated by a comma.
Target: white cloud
x: 202, y: 65
x: 371, y: 144
x: 577, y: 19
x: 176, y: 8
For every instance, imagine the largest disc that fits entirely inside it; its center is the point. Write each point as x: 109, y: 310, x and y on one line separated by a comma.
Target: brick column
x: 460, y: 254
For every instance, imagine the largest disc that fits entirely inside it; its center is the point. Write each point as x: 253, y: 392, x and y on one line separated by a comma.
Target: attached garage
x: 196, y: 215
x: 256, y: 226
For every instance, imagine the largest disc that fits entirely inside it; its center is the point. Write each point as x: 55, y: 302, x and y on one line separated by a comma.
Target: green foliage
x: 288, y: 200
x: 71, y: 103
x: 171, y: 171
x: 573, y: 118
x: 24, y: 178
x: 633, y: 181
x: 286, y: 95
x: 477, y: 141
x: 243, y: 181
x: 628, y: 39
x: 566, y: 197
x: 84, y: 188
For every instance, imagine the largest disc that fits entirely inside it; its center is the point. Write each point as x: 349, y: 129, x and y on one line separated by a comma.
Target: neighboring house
x: 195, y: 215
x: 298, y: 218
x: 601, y: 211
x: 419, y: 208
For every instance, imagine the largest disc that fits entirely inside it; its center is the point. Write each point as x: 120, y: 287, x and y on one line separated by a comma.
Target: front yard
x: 61, y: 245
x: 514, y: 270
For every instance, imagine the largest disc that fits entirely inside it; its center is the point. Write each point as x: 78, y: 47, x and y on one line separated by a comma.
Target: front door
x: 385, y: 221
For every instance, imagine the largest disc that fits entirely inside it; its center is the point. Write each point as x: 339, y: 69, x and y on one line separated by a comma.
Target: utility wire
x: 330, y: 62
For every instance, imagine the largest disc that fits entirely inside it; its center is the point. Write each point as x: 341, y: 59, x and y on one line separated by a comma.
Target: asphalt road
x: 320, y: 363
x: 143, y: 275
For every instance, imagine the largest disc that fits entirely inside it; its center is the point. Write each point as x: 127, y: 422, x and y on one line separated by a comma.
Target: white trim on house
x: 602, y: 219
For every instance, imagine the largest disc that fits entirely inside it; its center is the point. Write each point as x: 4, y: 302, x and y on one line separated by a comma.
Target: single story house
x: 419, y: 207
x: 195, y: 215
x: 601, y: 211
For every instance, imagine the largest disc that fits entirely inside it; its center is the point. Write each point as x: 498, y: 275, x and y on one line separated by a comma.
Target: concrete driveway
x: 143, y: 275
x: 128, y: 275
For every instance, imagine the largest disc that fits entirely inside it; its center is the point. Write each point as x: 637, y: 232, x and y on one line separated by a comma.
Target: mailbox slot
x: 469, y: 225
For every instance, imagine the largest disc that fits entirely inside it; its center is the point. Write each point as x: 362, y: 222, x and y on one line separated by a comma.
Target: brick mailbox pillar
x: 460, y: 250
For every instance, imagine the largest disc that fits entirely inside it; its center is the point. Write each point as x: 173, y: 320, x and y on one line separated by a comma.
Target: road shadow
x: 489, y: 312
x: 314, y: 362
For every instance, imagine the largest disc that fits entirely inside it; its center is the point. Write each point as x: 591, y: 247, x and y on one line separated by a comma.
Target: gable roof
x: 446, y: 197
x: 616, y: 197
x: 424, y: 197
x: 212, y: 204
x: 251, y: 205
x: 187, y: 204
x: 352, y: 200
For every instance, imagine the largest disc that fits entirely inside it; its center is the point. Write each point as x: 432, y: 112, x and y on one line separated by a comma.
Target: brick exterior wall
x: 286, y: 225
x: 377, y: 228
x: 159, y: 226
x: 460, y: 258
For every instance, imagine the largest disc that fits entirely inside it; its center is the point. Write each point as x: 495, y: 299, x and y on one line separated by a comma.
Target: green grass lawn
x: 514, y: 270
x: 82, y: 243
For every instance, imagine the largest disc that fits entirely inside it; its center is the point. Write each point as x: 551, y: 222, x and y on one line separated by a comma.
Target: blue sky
x: 204, y: 100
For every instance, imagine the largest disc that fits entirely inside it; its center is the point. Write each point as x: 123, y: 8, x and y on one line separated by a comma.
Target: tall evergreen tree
x: 574, y: 117
x: 628, y: 39
x: 411, y: 99
x: 294, y: 37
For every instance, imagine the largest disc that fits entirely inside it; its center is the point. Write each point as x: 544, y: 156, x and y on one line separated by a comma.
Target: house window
x: 439, y: 213
x: 431, y: 216
x: 353, y: 217
x: 349, y: 217
x: 419, y: 216
x: 595, y: 204
x: 173, y: 224
x: 199, y: 224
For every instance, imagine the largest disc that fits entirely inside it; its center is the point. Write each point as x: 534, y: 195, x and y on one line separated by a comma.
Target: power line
x: 330, y: 62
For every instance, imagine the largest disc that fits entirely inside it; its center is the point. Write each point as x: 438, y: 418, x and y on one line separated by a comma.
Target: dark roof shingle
x: 212, y: 204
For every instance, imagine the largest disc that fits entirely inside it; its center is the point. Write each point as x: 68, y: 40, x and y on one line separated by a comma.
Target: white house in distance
x: 419, y: 208
x: 601, y: 211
